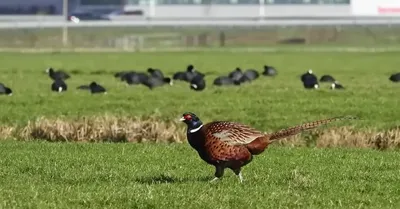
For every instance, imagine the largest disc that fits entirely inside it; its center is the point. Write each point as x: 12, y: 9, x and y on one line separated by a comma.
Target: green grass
x: 267, y: 103
x: 82, y: 175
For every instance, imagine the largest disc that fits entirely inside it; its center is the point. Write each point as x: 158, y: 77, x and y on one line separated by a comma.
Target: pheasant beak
x: 182, y: 119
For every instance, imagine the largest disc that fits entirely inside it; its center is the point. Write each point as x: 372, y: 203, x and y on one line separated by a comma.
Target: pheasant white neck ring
x: 195, y: 129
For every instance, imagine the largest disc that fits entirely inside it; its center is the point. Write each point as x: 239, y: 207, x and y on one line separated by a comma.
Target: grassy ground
x: 64, y: 175
x: 267, y: 103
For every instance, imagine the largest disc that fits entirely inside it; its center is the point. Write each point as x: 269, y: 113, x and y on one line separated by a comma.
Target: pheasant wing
x: 233, y: 133
x: 223, y: 152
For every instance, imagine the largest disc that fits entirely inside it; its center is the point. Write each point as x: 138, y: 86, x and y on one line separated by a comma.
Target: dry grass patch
x: 152, y: 129
x: 347, y: 137
x: 97, y: 129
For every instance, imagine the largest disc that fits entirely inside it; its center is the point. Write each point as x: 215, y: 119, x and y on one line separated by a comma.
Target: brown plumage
x: 232, y: 145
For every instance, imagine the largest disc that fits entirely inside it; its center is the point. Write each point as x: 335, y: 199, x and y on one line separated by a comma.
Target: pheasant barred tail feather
x: 305, y: 126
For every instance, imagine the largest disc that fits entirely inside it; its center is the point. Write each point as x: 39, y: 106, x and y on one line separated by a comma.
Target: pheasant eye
x: 188, y: 117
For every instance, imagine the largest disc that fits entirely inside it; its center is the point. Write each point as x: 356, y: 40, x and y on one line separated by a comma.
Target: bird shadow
x: 164, y: 179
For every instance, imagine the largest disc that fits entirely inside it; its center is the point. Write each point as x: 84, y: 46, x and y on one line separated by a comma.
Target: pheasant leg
x: 219, y: 172
x: 214, y: 179
x: 240, y: 177
x: 239, y: 174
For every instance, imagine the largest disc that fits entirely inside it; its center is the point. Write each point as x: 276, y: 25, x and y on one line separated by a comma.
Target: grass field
x: 37, y: 174
x: 76, y: 175
x: 268, y: 103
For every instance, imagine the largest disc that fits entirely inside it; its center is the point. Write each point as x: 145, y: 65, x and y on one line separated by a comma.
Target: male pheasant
x: 232, y: 145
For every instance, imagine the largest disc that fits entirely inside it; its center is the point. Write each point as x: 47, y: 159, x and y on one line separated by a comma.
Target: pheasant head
x: 192, y: 121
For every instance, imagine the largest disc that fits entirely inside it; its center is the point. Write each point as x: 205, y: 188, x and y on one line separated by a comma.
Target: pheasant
x: 226, y: 144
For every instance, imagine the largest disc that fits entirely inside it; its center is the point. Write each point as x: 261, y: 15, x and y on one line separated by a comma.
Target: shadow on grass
x: 164, y: 179
x: 82, y: 72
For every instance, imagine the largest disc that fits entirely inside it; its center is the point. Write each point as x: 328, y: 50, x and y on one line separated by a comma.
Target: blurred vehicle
x: 76, y: 17
x: 122, y: 12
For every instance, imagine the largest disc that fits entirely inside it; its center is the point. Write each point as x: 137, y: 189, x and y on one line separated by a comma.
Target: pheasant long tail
x: 305, y: 126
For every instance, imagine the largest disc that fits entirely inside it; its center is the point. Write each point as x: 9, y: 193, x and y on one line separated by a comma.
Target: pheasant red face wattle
x: 187, y: 117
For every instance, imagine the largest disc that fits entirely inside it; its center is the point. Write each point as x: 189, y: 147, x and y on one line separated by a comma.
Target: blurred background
x: 140, y: 25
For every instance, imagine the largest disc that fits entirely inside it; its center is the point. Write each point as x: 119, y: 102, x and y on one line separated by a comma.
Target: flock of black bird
x: 59, y: 84
x: 310, y: 81
x: 154, y: 78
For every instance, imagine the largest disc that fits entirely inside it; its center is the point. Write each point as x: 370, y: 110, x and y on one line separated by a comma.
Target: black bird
x: 187, y: 76
x: 308, y: 75
x: 243, y: 79
x: 133, y: 78
x: 236, y: 74
x: 251, y: 74
x: 183, y: 76
x: 121, y: 75
x: 326, y: 78
x: 155, y: 73
x: 198, y: 83
x: 225, y: 81
x: 311, y: 84
x: 59, y: 85
x: 153, y: 82
x: 5, y: 90
x: 179, y: 76
x: 191, y: 72
x: 57, y: 75
x: 309, y: 80
x: 395, y: 77
x: 190, y: 68
x: 336, y: 85
x: 269, y: 71
x: 96, y: 88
